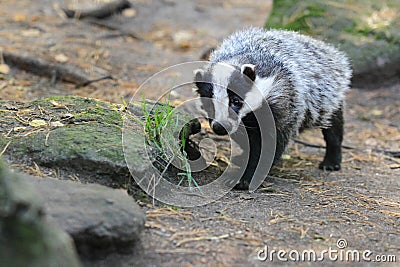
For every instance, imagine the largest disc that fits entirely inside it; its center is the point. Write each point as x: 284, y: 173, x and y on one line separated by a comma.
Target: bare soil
x: 298, y: 207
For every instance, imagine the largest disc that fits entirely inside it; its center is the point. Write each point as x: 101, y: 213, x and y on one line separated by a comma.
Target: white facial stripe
x: 257, y: 94
x: 220, y: 78
x: 221, y: 109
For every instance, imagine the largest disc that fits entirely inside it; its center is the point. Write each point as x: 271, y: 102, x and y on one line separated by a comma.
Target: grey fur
x: 312, y: 75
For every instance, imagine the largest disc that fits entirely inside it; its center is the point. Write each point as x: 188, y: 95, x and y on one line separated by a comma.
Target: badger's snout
x: 221, y: 127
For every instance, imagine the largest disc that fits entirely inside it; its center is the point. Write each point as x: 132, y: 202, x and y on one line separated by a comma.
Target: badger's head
x: 230, y: 93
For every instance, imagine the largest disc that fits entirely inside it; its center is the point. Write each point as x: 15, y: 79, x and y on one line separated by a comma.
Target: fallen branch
x: 41, y: 67
x: 101, y: 12
x: 395, y: 154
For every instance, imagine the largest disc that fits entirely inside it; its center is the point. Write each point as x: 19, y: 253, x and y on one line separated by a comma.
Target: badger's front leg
x: 191, y: 149
x: 333, y: 137
x: 254, y: 138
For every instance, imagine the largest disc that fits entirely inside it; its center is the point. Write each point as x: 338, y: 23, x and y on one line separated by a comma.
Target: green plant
x: 163, y: 128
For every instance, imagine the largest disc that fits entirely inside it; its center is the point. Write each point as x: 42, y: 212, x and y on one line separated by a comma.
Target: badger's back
x: 318, y: 72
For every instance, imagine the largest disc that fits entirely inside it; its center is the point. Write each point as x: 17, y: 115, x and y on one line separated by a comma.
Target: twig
x: 113, y: 27
x: 101, y: 12
x: 5, y: 148
x: 47, y: 139
x: 200, y: 238
x: 316, y: 146
x: 395, y: 154
x: 93, y: 81
x: 298, y: 141
x: 42, y: 67
x: 178, y: 250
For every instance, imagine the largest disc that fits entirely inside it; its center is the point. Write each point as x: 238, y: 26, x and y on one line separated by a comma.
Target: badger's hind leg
x: 333, y: 138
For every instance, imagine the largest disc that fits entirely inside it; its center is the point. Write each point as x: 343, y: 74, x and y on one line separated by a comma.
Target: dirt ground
x: 298, y: 207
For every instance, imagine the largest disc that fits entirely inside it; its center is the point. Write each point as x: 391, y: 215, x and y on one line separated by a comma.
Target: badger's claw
x: 329, y: 166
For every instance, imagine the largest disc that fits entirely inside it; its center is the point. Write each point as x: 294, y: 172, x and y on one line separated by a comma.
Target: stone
x: 26, y: 236
x: 99, y: 219
x: 80, y: 136
x: 367, y: 30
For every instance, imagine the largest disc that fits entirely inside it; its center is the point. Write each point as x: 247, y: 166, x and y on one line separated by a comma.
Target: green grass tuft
x: 158, y: 120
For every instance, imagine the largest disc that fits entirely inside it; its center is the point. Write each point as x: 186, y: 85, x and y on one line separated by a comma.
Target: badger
x: 301, y: 79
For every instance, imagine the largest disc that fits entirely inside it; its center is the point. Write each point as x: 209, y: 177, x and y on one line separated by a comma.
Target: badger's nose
x: 221, y: 128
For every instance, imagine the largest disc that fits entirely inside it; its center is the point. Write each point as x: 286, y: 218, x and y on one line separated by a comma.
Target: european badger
x: 303, y: 81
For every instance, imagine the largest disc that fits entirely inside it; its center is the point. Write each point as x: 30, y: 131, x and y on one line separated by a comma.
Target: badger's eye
x: 236, y: 102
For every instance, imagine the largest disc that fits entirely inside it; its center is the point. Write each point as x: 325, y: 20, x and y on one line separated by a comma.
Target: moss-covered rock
x: 79, y: 134
x: 367, y: 30
x: 26, y: 238
x: 81, y: 139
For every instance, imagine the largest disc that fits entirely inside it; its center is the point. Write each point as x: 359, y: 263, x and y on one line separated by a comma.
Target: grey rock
x: 99, y: 219
x: 26, y: 237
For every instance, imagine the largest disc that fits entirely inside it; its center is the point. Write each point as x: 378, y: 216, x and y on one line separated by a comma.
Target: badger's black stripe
x: 204, y: 89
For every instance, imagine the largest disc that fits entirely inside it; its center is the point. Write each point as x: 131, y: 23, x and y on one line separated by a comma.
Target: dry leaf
x: 56, y: 104
x: 25, y: 111
x: 19, y: 17
x: 4, y: 68
x: 37, y: 123
x: 56, y: 124
x: 376, y: 112
x: 61, y: 58
x: 17, y: 129
x: 129, y: 13
x: 30, y: 33
x: 371, y: 142
x: 68, y: 115
x: 182, y: 39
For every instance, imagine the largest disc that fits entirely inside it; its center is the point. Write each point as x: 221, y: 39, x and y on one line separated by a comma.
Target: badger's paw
x: 242, y: 185
x: 329, y: 166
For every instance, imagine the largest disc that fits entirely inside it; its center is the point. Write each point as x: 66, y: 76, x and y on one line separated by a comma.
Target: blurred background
x: 129, y: 45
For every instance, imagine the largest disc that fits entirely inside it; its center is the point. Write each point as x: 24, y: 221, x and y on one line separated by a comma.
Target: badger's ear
x: 204, y: 88
x: 249, y: 70
x: 198, y: 75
